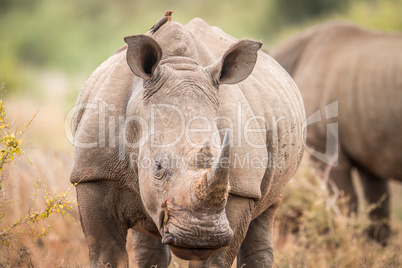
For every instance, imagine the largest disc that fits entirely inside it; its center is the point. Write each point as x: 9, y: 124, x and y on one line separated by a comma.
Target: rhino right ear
x: 236, y: 64
x: 143, y: 55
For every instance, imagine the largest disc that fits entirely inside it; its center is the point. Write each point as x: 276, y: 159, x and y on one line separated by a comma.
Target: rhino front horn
x: 219, y: 175
x: 211, y: 189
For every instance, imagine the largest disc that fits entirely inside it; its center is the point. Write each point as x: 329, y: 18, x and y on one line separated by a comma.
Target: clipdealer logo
x: 111, y: 129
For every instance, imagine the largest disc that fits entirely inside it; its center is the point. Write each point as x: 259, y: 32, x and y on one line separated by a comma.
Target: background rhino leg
x: 341, y: 175
x: 101, y: 209
x: 376, y: 192
x: 257, y: 248
x: 238, y: 211
x: 149, y: 251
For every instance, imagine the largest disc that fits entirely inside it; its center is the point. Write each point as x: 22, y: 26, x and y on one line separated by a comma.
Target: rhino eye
x: 160, y: 167
x: 158, y: 171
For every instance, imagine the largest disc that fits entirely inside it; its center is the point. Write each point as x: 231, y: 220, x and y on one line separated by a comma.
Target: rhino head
x: 181, y: 155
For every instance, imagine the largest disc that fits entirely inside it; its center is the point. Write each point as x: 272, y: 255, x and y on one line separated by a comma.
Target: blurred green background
x: 53, y: 41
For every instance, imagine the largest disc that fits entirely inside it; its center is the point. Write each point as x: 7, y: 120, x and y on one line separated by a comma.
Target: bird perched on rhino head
x: 165, y: 19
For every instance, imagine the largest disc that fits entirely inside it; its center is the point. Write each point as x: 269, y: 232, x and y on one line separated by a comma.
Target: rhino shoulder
x: 104, y: 95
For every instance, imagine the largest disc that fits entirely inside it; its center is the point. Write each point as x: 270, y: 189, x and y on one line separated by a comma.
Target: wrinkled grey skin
x: 126, y: 146
x: 362, y: 70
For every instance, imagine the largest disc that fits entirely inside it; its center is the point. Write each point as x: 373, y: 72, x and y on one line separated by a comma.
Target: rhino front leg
x: 149, y: 251
x: 238, y: 211
x: 257, y: 248
x: 376, y: 192
x: 103, y: 222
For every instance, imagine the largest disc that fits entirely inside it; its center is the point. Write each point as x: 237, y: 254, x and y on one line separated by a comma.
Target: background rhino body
x: 116, y: 190
x: 360, y: 69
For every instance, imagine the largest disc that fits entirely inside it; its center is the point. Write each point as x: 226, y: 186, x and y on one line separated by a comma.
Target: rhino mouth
x: 192, y: 252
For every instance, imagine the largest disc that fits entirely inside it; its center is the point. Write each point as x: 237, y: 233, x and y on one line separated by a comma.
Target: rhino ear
x: 143, y: 55
x: 236, y: 64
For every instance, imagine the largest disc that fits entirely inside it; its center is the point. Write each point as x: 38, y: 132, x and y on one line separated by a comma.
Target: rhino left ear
x: 143, y: 55
x: 236, y: 64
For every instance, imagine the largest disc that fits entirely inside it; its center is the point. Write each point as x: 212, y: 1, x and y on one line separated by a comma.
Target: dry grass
x: 313, y: 229
x: 325, y: 237
x: 64, y: 246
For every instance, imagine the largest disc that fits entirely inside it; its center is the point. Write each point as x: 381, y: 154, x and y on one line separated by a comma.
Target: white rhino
x: 362, y: 70
x: 188, y: 138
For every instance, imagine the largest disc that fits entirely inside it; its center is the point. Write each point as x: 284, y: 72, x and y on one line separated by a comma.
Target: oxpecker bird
x: 165, y: 19
x: 163, y: 217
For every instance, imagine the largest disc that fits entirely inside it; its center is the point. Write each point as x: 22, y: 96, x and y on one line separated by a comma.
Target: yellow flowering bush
x: 44, y: 203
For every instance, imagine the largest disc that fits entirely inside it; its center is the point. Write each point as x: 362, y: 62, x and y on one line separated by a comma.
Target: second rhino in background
x: 362, y: 71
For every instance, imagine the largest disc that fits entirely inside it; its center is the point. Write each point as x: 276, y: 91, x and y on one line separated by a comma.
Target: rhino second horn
x: 206, y: 145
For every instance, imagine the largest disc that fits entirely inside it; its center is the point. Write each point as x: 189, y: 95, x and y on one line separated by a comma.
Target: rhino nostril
x: 168, y: 239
